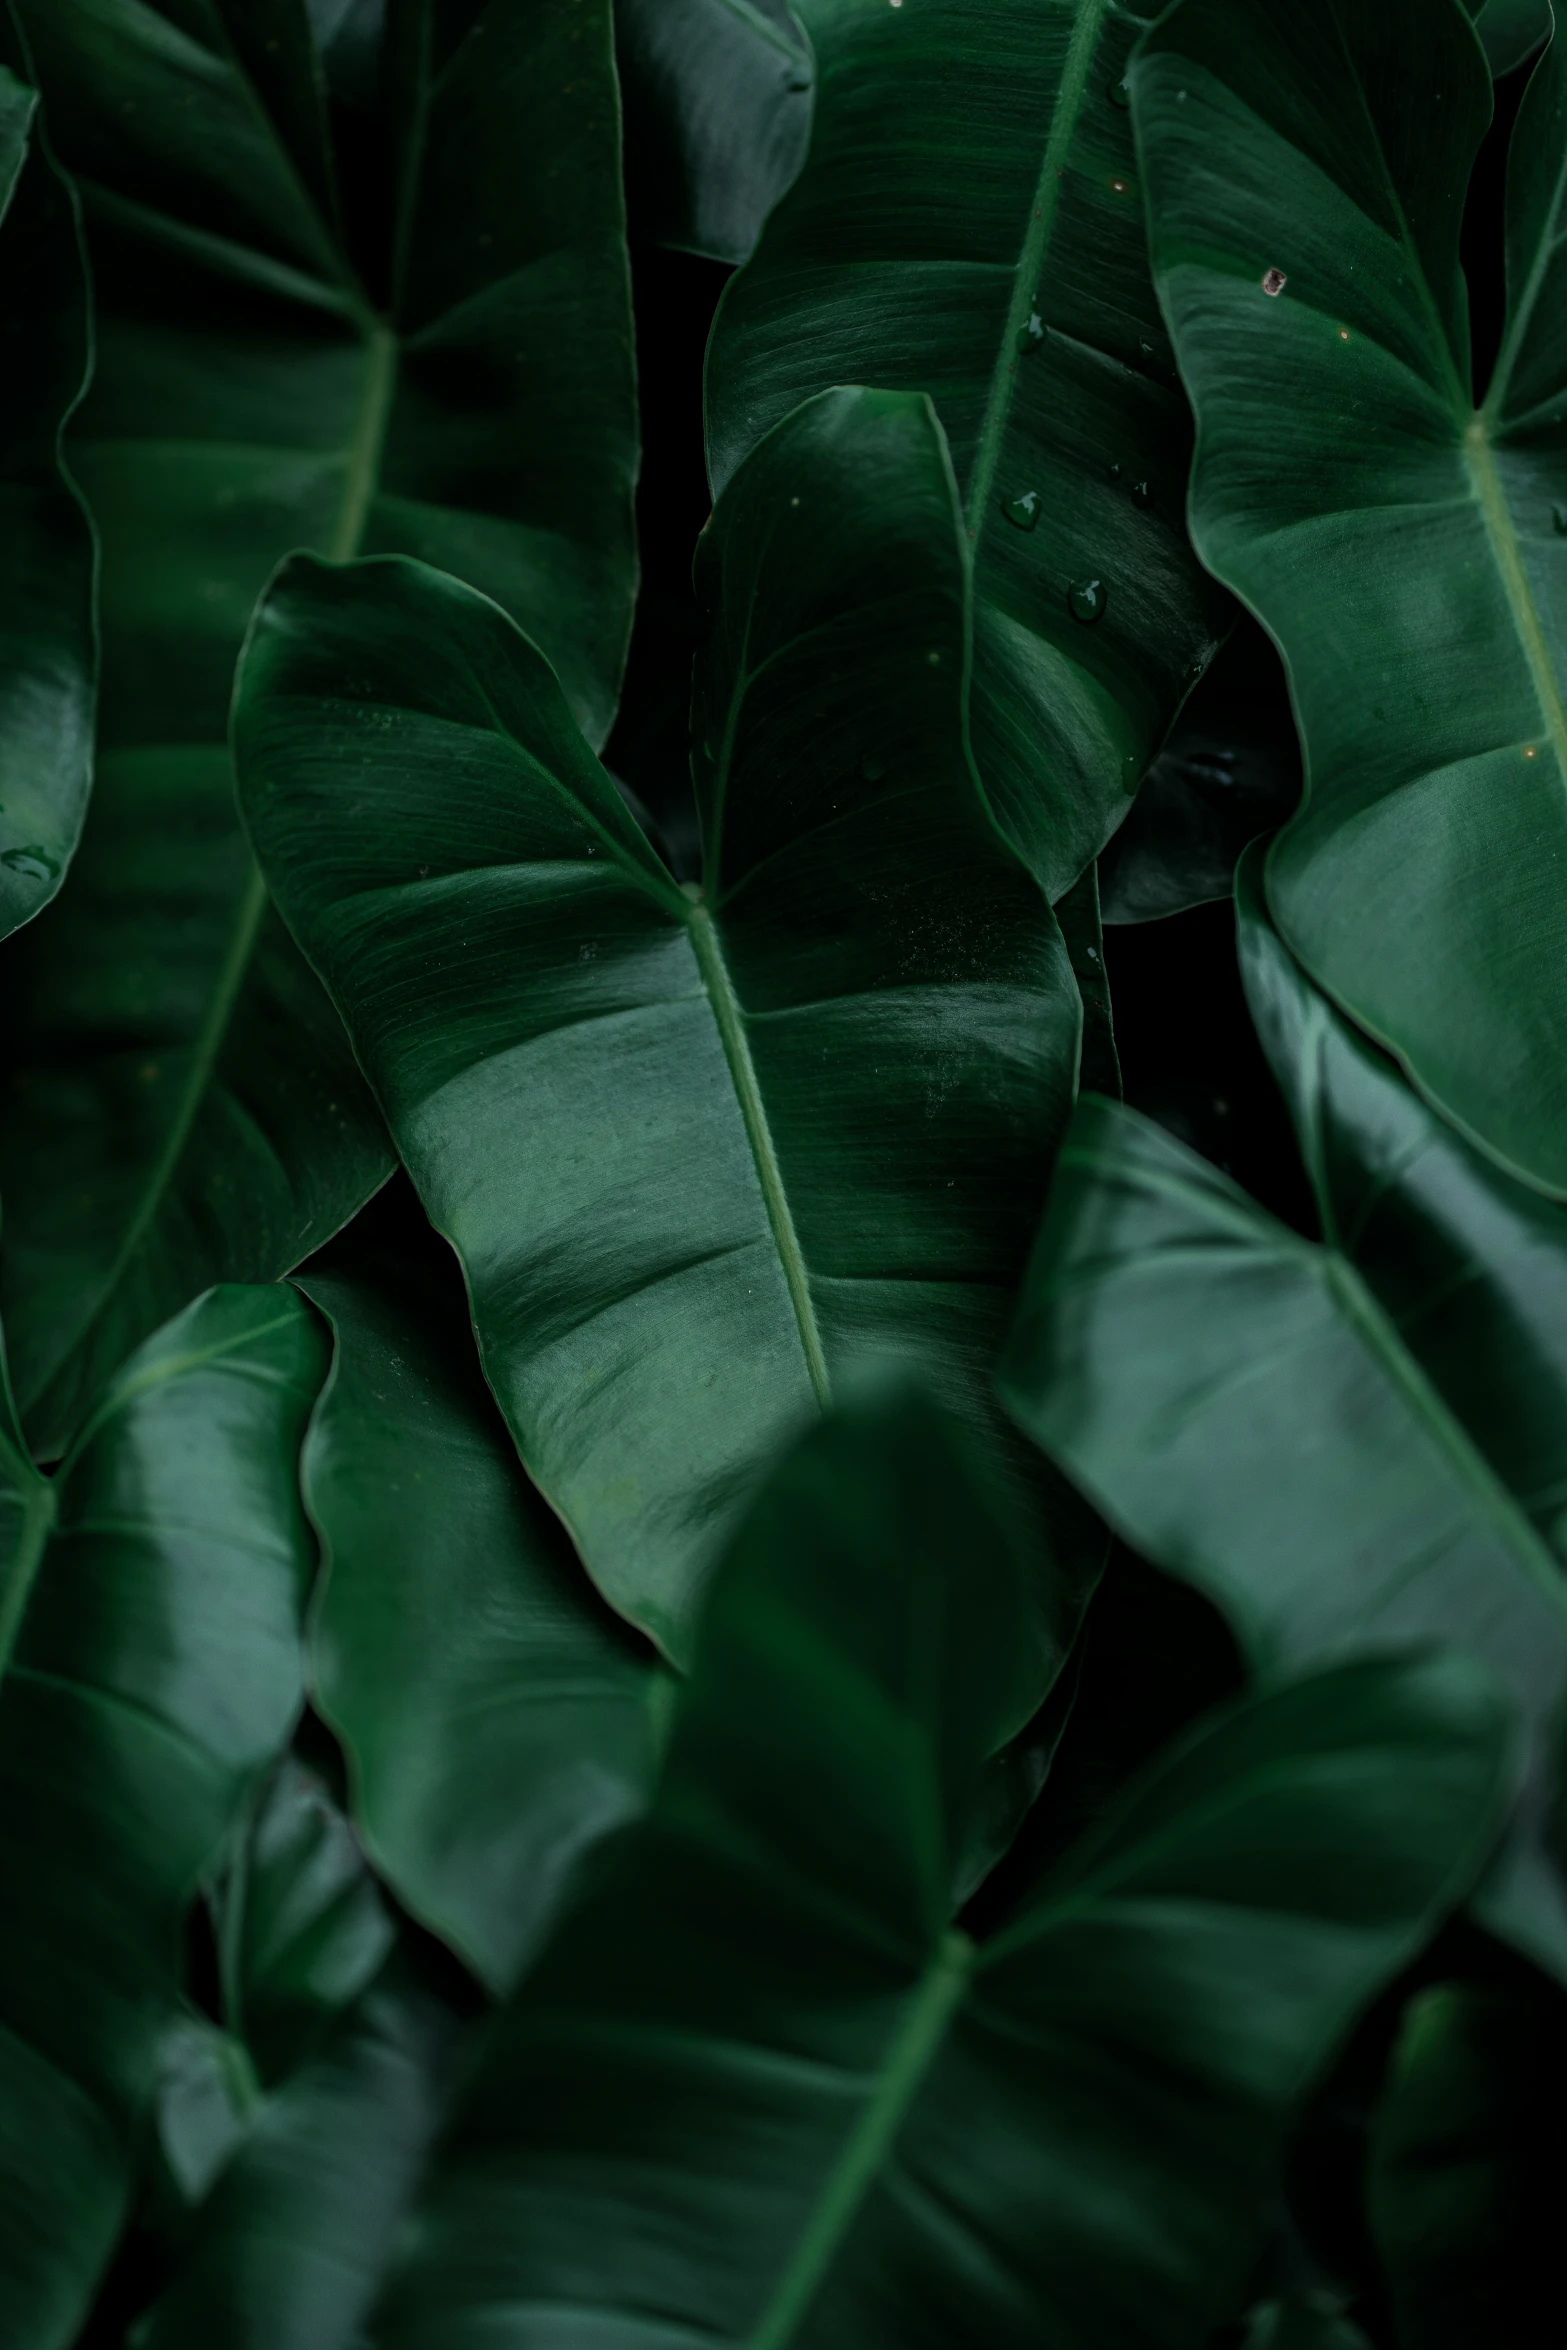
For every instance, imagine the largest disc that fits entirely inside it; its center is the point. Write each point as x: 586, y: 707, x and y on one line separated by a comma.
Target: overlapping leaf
x: 1306, y: 162
x: 47, y: 655
x: 969, y: 224
x: 497, y: 1719
x: 703, y: 1151
x: 150, y: 1619
x: 761, y: 2091
x: 283, y: 363
x: 1347, y: 1445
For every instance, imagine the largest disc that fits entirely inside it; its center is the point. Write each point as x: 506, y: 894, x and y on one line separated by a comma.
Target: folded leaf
x: 48, y: 659
x: 150, y: 1632
x: 969, y: 224
x: 497, y: 1719
x: 1306, y: 163
x: 702, y: 1151
x: 1244, y: 1408
x: 717, y: 97
x: 183, y: 1105
x: 761, y: 2091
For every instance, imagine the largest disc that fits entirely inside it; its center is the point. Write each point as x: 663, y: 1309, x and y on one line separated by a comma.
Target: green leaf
x: 702, y: 1156
x: 717, y: 97
x: 496, y: 1718
x: 149, y: 1627
x: 760, y: 2090
x: 1302, y: 2325
x: 969, y: 223
x: 288, y: 2249
x: 1408, y: 553
x: 183, y: 1105
x: 1306, y: 1431
x: 1466, y: 2159
x: 1511, y: 30
x: 48, y: 657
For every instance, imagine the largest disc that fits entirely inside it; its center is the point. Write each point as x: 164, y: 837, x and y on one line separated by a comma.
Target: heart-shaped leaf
x: 150, y: 1633
x: 760, y: 2090
x: 1320, y: 1435
x: 276, y: 372
x: 969, y: 224
x: 1306, y: 162
x: 48, y: 659
x: 703, y: 1152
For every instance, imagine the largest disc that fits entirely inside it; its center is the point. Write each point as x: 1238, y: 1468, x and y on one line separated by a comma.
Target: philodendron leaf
x: 1301, y: 1429
x: 183, y: 1104
x: 969, y: 223
x: 703, y: 1152
x: 1306, y: 163
x: 496, y: 1718
x: 1511, y: 30
x: 717, y: 97
x: 1467, y: 2152
x: 48, y: 658
x: 761, y: 2091
x: 150, y: 1632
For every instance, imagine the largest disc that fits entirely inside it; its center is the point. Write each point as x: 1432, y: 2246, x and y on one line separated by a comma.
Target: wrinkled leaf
x: 48, y: 657
x: 451, y: 376
x: 717, y: 97
x: 969, y: 223
x: 149, y: 1619
x: 497, y: 1719
x: 1408, y: 553
x: 702, y: 1155
x: 1308, y: 1431
x: 760, y: 2090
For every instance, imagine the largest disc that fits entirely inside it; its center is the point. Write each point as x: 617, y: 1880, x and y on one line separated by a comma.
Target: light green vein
x: 1042, y: 214
x: 742, y: 1069
x: 852, y: 2176
x: 1492, y: 501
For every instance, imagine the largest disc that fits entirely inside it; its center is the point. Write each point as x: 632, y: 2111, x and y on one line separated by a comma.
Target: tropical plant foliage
x: 783, y: 1421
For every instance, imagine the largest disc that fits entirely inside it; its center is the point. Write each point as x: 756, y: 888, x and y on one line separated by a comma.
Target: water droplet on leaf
x: 1142, y: 494
x: 1131, y: 774
x: 1024, y: 509
x: 1120, y: 94
x: 33, y: 862
x: 1274, y: 281
x: 1086, y: 600
x: 1032, y: 333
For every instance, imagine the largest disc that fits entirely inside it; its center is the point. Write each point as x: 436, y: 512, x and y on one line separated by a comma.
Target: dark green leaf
x: 1099, y: 1071
x: 1467, y: 2162
x: 760, y: 2090
x: 149, y: 1620
x: 48, y: 658
x: 1308, y: 1431
x: 497, y: 1719
x: 702, y: 1152
x: 717, y: 97
x: 1306, y: 163
x: 1511, y: 29
x: 969, y: 223
x: 184, y: 1107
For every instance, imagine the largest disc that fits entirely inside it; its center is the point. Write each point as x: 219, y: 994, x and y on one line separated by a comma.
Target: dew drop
x: 1142, y: 495
x: 872, y: 768
x: 1343, y: 334
x: 1274, y: 281
x: 1120, y: 187
x: 1559, y: 517
x: 1120, y: 95
x: 1086, y: 600
x: 33, y: 863
x: 799, y: 78
x: 1131, y: 774
x: 1115, y: 473
x: 1031, y: 334
x: 1024, y: 509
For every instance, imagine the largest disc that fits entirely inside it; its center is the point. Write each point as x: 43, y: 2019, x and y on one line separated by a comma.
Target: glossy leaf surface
x: 453, y: 379
x: 497, y: 1719
x: 1304, y: 1430
x: 969, y: 224
x: 760, y: 2090
x: 48, y: 659
x: 717, y: 97
x: 1467, y: 2155
x: 152, y: 1641
x: 701, y: 1155
x: 1403, y: 548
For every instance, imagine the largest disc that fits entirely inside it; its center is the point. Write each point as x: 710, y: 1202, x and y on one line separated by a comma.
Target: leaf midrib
x: 1081, y: 51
